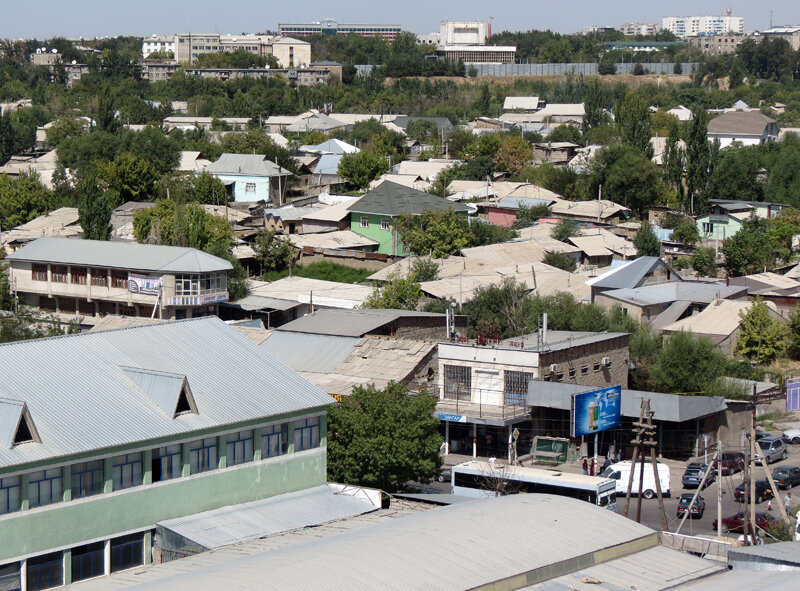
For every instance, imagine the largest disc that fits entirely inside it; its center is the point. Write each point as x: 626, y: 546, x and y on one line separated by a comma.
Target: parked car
x: 763, y: 491
x: 792, y: 436
x: 736, y: 522
x: 444, y: 475
x: 770, y: 449
x: 694, y: 473
x: 730, y: 463
x: 786, y: 477
x: 698, y: 507
x: 763, y: 435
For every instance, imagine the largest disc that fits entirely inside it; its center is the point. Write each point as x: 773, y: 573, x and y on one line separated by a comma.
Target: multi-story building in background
x: 718, y: 44
x: 462, y: 33
x: 633, y: 29
x: 466, y: 41
x: 789, y: 33
x: 186, y: 47
x: 331, y: 27
x: 687, y: 26
x: 158, y: 43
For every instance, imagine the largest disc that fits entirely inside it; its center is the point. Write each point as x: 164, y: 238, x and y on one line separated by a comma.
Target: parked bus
x: 484, y: 479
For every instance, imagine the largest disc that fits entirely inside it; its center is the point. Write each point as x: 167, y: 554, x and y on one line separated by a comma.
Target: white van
x: 621, y: 472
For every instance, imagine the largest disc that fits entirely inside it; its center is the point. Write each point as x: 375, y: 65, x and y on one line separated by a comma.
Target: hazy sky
x: 48, y: 18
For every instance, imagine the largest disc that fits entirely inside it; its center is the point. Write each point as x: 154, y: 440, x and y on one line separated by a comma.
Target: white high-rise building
x: 633, y: 29
x: 690, y: 26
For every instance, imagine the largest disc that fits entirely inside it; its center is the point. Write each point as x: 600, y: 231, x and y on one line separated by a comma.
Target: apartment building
x: 633, y: 29
x: 331, y: 27
x: 159, y: 43
x: 105, y: 434
x: 718, y: 44
x: 186, y: 47
x: 95, y: 278
x: 688, y: 26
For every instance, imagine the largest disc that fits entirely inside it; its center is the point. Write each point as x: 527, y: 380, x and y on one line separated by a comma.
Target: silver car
x: 771, y: 449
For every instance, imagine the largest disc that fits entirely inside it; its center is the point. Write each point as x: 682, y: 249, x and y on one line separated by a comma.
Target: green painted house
x: 103, y: 435
x: 725, y: 217
x: 373, y: 216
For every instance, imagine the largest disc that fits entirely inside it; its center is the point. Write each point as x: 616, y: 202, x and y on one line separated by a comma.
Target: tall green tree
x: 564, y: 229
x: 674, y: 161
x: 22, y: 199
x: 6, y: 138
x: 686, y: 364
x: 749, y: 250
x: 634, y: 123
x: 593, y: 103
x: 383, y: 438
x: 361, y: 168
x: 273, y: 251
x: 130, y: 177
x: 95, y: 208
x: 434, y: 233
x: 698, y: 160
x: 646, y: 242
x: 209, y: 189
x: 762, y: 338
x: 396, y: 293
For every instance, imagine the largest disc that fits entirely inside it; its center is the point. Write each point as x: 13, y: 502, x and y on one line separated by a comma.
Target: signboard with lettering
x: 596, y: 411
x: 144, y: 284
x: 452, y: 418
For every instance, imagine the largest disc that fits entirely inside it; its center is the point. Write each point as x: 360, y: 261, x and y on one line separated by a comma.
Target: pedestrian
x: 788, y: 503
x: 592, y: 466
x: 769, y: 505
x: 585, y: 466
x: 607, y: 463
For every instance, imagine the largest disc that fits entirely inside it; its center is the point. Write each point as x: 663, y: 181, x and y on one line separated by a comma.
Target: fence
x: 588, y: 69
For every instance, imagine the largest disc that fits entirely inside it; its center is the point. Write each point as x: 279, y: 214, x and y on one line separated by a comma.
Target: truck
x: 621, y: 471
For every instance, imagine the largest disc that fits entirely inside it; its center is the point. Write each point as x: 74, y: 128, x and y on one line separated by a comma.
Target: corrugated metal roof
x: 257, y: 302
x: 328, y: 164
x: 350, y: 323
x: 662, y: 293
x: 785, y: 552
x: 305, y: 290
x: 628, y: 274
x: 739, y: 122
x: 332, y: 146
x: 671, y: 314
x: 333, y: 213
x: 720, y: 318
x: 80, y: 400
x: 392, y: 199
x: 119, y: 255
x: 246, y: 165
x: 163, y: 388
x: 267, y: 517
x: 755, y: 580
x: 10, y: 415
x: 339, y: 239
x: 309, y: 352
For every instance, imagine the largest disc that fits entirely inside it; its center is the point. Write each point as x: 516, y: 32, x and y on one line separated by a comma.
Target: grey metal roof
x: 667, y: 407
x: 246, y: 165
x: 739, y: 122
x: 119, y: 255
x: 442, y: 123
x: 163, y: 388
x: 786, y: 553
x: 309, y: 352
x: 755, y: 580
x: 662, y: 293
x: 328, y: 164
x: 629, y: 274
x: 350, y: 323
x: 514, y: 202
x: 433, y: 549
x: 80, y: 399
x: 10, y: 415
x: 257, y: 302
x: 670, y: 315
x: 267, y: 517
x: 392, y: 199
x: 557, y: 340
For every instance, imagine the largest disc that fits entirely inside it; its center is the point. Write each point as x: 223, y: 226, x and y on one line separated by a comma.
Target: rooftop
x: 119, y: 255
x: 317, y: 291
x: 351, y: 323
x: 720, y: 318
x: 690, y: 291
x: 246, y: 165
x: 740, y: 122
x: 628, y: 274
x: 391, y: 199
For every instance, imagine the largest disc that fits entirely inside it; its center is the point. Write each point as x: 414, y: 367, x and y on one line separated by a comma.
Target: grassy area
x: 323, y: 270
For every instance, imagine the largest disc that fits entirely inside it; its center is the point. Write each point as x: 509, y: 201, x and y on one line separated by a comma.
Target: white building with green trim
x: 102, y: 435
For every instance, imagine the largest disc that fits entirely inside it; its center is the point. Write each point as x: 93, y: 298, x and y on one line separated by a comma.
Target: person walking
x: 788, y: 503
x: 585, y: 467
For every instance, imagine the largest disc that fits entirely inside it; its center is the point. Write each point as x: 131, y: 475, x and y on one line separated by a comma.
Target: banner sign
x: 144, y: 284
x: 452, y: 418
x: 596, y: 411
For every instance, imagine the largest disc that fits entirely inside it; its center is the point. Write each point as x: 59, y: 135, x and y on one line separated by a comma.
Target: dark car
x: 694, y: 473
x: 736, y: 522
x: 763, y: 491
x: 786, y: 477
x: 730, y: 463
x: 698, y: 507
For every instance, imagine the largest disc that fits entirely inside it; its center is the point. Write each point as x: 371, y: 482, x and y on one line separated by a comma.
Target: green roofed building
x: 373, y: 216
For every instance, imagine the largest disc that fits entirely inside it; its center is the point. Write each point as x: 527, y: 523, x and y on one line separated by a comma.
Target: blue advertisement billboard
x: 596, y: 411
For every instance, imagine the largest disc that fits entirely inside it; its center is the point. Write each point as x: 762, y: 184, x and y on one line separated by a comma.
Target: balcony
x: 476, y: 410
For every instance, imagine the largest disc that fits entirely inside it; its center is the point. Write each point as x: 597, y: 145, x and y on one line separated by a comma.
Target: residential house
x: 251, y: 177
x: 62, y: 222
x: 503, y: 212
x: 328, y: 219
x: 781, y: 290
x: 186, y: 122
x: 374, y: 214
x: 720, y: 322
x: 192, y: 161
x: 330, y: 244
x: 331, y: 146
x: 725, y: 217
x: 92, y: 278
x: 747, y: 128
x: 105, y: 434
x: 681, y: 113
x: 315, y: 122
x: 443, y: 124
x: 556, y: 114
x: 427, y: 169
x: 555, y: 152
x: 286, y: 220
x: 600, y: 247
x: 630, y: 274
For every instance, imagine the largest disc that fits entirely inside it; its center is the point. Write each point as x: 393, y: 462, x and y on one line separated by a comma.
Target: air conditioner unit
x: 606, y: 361
x: 553, y: 367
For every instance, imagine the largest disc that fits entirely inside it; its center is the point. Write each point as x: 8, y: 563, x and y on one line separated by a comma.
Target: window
x: 457, y: 382
x: 239, y: 447
x: 45, y: 571
x: 203, y: 455
x: 58, y: 274
x: 306, y: 434
x: 39, y: 272
x: 119, y: 279
x: 167, y: 463
x: 127, y: 471
x: 250, y: 188
x: 560, y: 376
x: 99, y: 277
x: 45, y: 487
x: 9, y: 494
x: 200, y: 284
x: 78, y: 275
x: 364, y: 221
x: 88, y: 561
x: 572, y: 372
x: 596, y: 367
x: 385, y: 223
x: 708, y: 228
x: 516, y: 387
x: 274, y: 440
x: 88, y: 479
x: 584, y: 370
x: 9, y: 576
x: 127, y: 552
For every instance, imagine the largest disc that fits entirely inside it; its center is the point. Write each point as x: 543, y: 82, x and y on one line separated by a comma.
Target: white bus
x: 484, y: 479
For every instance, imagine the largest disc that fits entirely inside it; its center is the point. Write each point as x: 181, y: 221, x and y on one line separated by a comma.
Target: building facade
x: 462, y: 33
x: 634, y: 29
x: 687, y: 26
x: 95, y: 278
x: 478, y: 54
x: 717, y: 44
x: 331, y: 27
x: 250, y: 177
x: 159, y: 43
x: 108, y: 433
x: 290, y: 53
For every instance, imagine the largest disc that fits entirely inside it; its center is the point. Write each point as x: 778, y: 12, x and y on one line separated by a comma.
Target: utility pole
x: 645, y: 428
x: 719, y: 487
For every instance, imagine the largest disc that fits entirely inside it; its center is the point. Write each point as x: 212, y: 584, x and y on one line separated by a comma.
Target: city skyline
x: 89, y: 18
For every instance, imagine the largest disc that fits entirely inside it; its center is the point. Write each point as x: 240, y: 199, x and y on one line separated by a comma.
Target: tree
x: 62, y: 128
x: 606, y: 65
x: 514, y: 153
x: 748, y: 251
x: 383, y: 438
x: 528, y: 215
x: 646, y: 242
x: 698, y: 159
x: 686, y: 232
x: 397, y: 293
x: 686, y: 364
x: 793, y: 333
x: 483, y: 233
x: 96, y: 206
x: 434, y: 233
x: 423, y: 269
x: 762, y: 338
x: 565, y: 229
x: 499, y: 310
x: 209, y: 189
x: 634, y: 123
x: 565, y: 133
x: 175, y: 224
x: 629, y: 178
x: 674, y: 160
x: 361, y: 168
x: 6, y: 138
x: 22, y: 199
x: 594, y: 115
x: 559, y: 260
x: 130, y: 177
x: 273, y: 251
x: 704, y: 261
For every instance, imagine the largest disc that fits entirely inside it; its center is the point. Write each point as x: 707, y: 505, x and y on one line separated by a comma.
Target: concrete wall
x: 588, y: 357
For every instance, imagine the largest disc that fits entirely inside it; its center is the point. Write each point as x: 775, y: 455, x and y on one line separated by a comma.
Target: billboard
x: 144, y: 284
x: 596, y: 411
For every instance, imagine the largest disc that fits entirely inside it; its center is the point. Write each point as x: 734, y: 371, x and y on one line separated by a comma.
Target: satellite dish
x: 53, y: 50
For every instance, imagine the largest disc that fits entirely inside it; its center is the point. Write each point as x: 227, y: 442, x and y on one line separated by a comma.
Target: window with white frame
x: 385, y: 223
x: 364, y: 221
x: 203, y: 455
x: 167, y: 463
x: 9, y: 494
x: 239, y: 447
x: 306, y: 434
x: 250, y: 188
x: 274, y: 440
x: 45, y: 487
x: 127, y: 471
x: 88, y: 478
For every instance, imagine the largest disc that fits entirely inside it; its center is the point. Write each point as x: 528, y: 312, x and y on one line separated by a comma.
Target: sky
x: 43, y: 19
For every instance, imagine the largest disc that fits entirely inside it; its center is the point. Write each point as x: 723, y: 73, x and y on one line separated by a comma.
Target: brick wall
x: 583, y: 365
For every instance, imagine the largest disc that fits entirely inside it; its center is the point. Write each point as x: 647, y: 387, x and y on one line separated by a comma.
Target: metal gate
x: 793, y: 394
